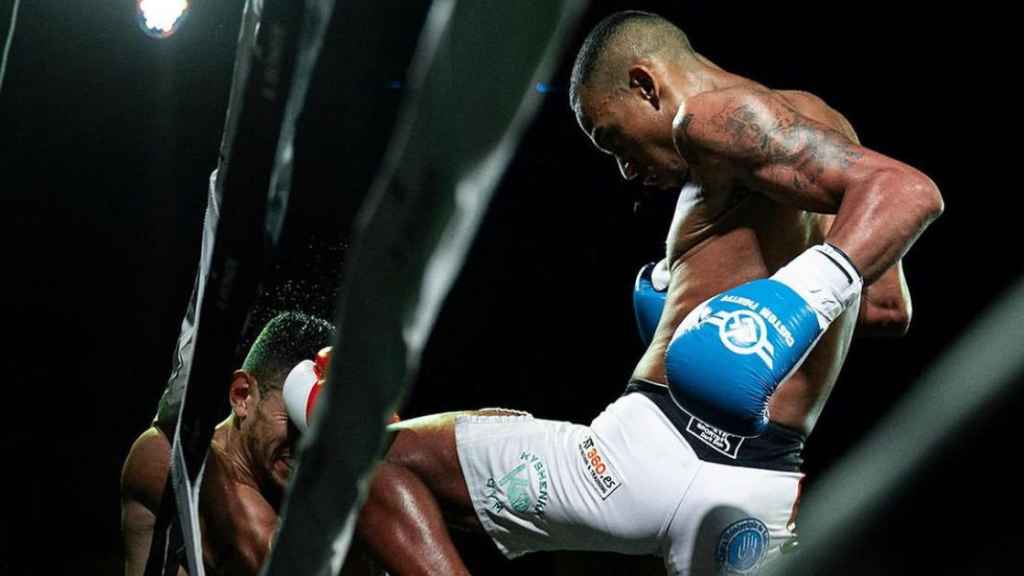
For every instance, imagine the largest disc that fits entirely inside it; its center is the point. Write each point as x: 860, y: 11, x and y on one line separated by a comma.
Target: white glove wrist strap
x: 825, y: 278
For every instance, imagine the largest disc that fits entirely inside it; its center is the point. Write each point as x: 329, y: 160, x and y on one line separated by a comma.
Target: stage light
x: 161, y: 18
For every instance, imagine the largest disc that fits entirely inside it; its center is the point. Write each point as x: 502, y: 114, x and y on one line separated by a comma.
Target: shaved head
x: 617, y: 42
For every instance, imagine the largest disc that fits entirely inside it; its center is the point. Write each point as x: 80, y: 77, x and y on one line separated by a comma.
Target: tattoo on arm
x: 774, y: 136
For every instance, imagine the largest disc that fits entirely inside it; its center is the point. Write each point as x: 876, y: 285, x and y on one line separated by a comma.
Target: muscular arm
x: 142, y: 485
x: 237, y: 522
x: 881, y: 205
x: 885, y: 305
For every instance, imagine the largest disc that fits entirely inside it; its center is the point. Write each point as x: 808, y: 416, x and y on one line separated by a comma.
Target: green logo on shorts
x: 520, y: 489
x: 517, y: 488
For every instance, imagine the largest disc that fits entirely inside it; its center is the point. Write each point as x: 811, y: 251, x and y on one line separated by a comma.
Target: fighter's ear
x: 644, y: 84
x: 243, y: 393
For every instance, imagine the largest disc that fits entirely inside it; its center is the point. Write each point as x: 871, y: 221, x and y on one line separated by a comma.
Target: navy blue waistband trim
x: 778, y: 448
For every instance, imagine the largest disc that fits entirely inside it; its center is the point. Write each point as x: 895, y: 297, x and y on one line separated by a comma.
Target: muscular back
x: 724, y: 234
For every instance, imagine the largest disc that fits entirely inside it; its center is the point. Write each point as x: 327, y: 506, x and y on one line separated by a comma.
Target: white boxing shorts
x: 628, y: 483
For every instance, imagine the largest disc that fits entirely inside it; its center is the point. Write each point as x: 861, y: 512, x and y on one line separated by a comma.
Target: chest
x: 713, y: 208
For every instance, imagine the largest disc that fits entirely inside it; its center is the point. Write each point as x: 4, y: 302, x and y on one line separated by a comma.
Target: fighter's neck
x: 233, y: 453
x: 699, y: 75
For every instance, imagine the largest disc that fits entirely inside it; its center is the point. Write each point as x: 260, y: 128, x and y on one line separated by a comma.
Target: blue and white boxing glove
x: 729, y: 354
x: 649, y: 298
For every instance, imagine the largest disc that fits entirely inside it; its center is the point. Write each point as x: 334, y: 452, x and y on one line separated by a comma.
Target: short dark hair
x: 285, y: 341
x: 630, y: 32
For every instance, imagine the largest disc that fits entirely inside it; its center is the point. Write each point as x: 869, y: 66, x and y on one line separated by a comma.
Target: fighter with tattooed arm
x: 782, y: 219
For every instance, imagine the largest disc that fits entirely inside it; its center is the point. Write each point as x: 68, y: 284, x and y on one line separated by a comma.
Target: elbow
x: 932, y: 198
x: 916, y: 195
x: 923, y: 194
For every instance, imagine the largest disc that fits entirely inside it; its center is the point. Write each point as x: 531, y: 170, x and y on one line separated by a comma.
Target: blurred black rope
x: 7, y: 42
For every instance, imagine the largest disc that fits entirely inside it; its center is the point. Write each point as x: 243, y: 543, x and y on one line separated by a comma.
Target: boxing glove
x: 730, y: 353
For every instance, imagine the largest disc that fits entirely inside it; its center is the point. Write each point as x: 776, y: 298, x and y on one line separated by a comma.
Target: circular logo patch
x: 742, y: 331
x: 742, y: 547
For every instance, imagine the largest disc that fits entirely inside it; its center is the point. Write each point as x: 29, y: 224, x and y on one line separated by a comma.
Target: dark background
x: 108, y: 137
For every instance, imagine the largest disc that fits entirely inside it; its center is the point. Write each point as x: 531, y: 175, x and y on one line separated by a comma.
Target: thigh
x: 733, y: 520
x: 426, y: 446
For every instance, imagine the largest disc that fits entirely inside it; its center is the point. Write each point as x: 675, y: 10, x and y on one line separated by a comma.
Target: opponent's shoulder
x: 239, y: 523
x: 232, y: 502
x: 145, y: 469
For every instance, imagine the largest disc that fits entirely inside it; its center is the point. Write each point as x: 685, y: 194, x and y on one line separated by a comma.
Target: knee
x: 400, y: 503
x: 390, y: 481
x: 422, y: 445
x: 401, y: 449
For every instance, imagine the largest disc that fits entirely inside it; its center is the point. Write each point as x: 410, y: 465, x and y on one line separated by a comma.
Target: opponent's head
x: 257, y: 406
x: 625, y: 92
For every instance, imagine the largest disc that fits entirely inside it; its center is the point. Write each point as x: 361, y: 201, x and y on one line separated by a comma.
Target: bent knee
x: 418, y: 442
x: 500, y: 412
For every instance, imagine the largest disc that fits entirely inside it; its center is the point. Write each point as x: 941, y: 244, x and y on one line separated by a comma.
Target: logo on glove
x: 743, y: 332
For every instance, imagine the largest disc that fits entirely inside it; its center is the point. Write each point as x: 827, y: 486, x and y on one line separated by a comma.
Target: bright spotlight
x: 161, y: 18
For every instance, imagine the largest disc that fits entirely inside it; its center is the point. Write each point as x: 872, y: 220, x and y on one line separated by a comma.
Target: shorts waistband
x: 778, y: 448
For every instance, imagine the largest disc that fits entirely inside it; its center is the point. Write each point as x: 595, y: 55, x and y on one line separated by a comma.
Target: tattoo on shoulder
x: 684, y: 124
x: 781, y: 136
x: 684, y: 129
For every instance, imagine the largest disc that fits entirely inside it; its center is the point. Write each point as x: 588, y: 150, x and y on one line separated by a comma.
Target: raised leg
x: 417, y: 491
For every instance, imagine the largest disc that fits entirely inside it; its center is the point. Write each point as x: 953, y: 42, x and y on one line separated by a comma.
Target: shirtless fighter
x: 249, y: 462
x: 758, y: 170
x: 698, y: 462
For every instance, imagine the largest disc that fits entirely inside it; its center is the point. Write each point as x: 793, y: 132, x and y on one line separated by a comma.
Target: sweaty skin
x: 228, y: 506
x: 247, y: 469
x: 763, y: 175
x: 142, y: 484
x: 236, y: 520
x: 720, y: 222
x: 736, y: 220
x: 765, y: 170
